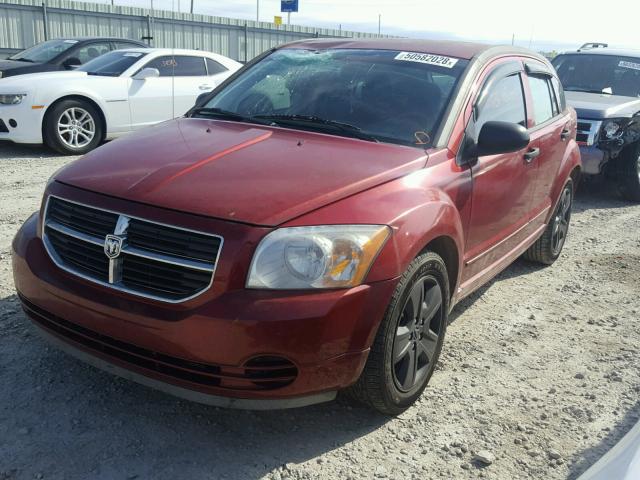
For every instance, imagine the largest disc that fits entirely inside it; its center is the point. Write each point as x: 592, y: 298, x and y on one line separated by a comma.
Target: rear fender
x: 570, y: 167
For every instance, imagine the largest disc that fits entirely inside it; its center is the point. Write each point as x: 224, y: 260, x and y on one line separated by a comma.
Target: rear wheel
x: 73, y: 127
x: 409, y: 340
x: 548, y: 247
x: 629, y: 174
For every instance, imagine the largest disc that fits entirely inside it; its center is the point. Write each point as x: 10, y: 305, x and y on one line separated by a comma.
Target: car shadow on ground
x: 598, y: 193
x: 10, y: 150
x: 591, y: 455
x: 101, y: 426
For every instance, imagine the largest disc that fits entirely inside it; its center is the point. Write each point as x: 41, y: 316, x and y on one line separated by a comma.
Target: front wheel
x: 548, y: 247
x: 409, y: 339
x: 73, y: 127
x: 629, y: 174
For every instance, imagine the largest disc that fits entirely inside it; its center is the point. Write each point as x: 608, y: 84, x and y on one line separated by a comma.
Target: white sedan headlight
x: 11, y: 98
x: 332, y: 256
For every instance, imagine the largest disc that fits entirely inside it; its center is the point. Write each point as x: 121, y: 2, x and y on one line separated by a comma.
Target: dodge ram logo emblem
x: 112, y: 246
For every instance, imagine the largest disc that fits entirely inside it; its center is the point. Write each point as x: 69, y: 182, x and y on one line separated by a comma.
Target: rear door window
x: 214, y: 68
x: 544, y: 107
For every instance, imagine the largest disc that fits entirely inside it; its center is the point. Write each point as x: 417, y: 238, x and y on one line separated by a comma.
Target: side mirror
x: 71, y: 63
x: 202, y: 99
x: 500, y: 137
x: 147, y: 73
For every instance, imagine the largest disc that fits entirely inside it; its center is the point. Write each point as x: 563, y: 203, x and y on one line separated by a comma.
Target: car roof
x: 168, y: 51
x: 622, y: 52
x: 463, y: 50
x: 85, y: 39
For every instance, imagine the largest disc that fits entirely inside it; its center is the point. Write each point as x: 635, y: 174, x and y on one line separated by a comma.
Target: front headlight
x: 613, y: 128
x: 332, y: 256
x: 12, y: 98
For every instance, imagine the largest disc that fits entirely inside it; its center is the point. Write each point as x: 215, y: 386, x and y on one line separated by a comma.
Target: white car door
x: 182, y: 78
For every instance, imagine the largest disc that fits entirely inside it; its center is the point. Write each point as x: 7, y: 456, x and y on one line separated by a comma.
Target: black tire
x: 381, y: 384
x: 548, y: 247
x: 629, y: 173
x: 62, y: 140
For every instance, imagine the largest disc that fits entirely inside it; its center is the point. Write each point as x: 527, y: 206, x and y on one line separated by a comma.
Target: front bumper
x: 201, y: 351
x: 593, y: 159
x: 28, y: 123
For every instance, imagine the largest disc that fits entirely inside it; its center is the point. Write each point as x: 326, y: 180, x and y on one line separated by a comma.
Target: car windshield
x: 112, y: 64
x: 45, y: 51
x: 380, y: 95
x: 598, y: 73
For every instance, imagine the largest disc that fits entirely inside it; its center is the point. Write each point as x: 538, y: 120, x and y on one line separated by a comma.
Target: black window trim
x: 547, y: 76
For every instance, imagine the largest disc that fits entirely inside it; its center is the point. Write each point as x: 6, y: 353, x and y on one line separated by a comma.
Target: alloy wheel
x: 561, y: 221
x: 416, y: 340
x: 76, y: 127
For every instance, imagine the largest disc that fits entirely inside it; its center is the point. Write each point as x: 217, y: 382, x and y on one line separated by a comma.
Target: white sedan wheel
x: 76, y: 127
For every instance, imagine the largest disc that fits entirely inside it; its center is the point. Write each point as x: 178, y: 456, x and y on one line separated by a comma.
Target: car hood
x: 13, y: 67
x: 30, y: 79
x: 237, y: 171
x: 598, y: 106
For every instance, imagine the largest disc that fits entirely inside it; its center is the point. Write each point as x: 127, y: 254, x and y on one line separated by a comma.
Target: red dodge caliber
x: 307, y: 227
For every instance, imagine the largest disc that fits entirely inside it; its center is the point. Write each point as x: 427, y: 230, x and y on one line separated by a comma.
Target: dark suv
x: 603, y: 85
x: 62, y: 54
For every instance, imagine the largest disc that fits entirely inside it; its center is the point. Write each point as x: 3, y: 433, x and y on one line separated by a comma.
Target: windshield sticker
x: 427, y: 58
x: 631, y: 65
x: 132, y: 54
x: 71, y: 41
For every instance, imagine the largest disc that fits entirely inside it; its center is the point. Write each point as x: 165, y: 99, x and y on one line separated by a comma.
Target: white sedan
x: 121, y: 91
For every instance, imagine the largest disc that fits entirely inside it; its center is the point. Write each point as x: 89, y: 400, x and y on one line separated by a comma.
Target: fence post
x: 149, y: 33
x: 246, y: 42
x: 45, y: 21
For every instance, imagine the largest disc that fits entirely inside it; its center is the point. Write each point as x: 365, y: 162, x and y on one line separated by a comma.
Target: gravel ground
x: 539, y: 377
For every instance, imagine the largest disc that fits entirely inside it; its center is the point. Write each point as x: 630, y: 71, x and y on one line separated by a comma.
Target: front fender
x: 416, y: 212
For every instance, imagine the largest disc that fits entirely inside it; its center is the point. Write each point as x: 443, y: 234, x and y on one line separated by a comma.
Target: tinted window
x: 112, y: 64
x: 214, y: 67
x: 596, y: 72
x: 179, y: 66
x: 91, y: 51
x: 503, y: 101
x: 123, y: 45
x: 543, y: 103
x: 45, y: 51
x: 390, y: 95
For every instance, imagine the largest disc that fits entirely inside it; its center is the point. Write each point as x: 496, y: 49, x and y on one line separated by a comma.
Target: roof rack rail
x: 589, y: 45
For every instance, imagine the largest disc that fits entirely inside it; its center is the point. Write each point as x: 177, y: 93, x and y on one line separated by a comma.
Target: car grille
x: 3, y: 127
x: 157, y: 261
x: 259, y: 373
x: 588, y: 131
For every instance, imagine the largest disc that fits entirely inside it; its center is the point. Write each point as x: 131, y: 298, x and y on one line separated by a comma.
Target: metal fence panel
x: 22, y: 24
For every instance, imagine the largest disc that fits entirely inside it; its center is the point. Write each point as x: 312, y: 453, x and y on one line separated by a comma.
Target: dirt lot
x: 540, y: 368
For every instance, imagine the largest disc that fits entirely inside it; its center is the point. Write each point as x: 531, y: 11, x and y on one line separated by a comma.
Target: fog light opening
x: 13, y: 123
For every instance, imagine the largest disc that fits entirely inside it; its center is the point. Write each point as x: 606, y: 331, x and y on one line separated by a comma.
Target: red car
x: 309, y: 225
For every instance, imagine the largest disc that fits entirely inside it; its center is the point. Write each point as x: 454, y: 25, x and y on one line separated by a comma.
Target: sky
x: 539, y: 24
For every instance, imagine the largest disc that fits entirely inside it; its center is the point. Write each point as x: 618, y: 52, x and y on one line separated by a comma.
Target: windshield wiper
x: 225, y: 114
x: 323, y: 123
x: 22, y: 60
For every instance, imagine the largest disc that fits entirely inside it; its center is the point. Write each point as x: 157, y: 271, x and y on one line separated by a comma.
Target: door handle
x: 205, y: 87
x: 565, y: 134
x: 531, y: 154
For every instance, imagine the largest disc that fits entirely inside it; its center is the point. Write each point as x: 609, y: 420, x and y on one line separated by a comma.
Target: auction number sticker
x: 428, y: 58
x: 633, y: 66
